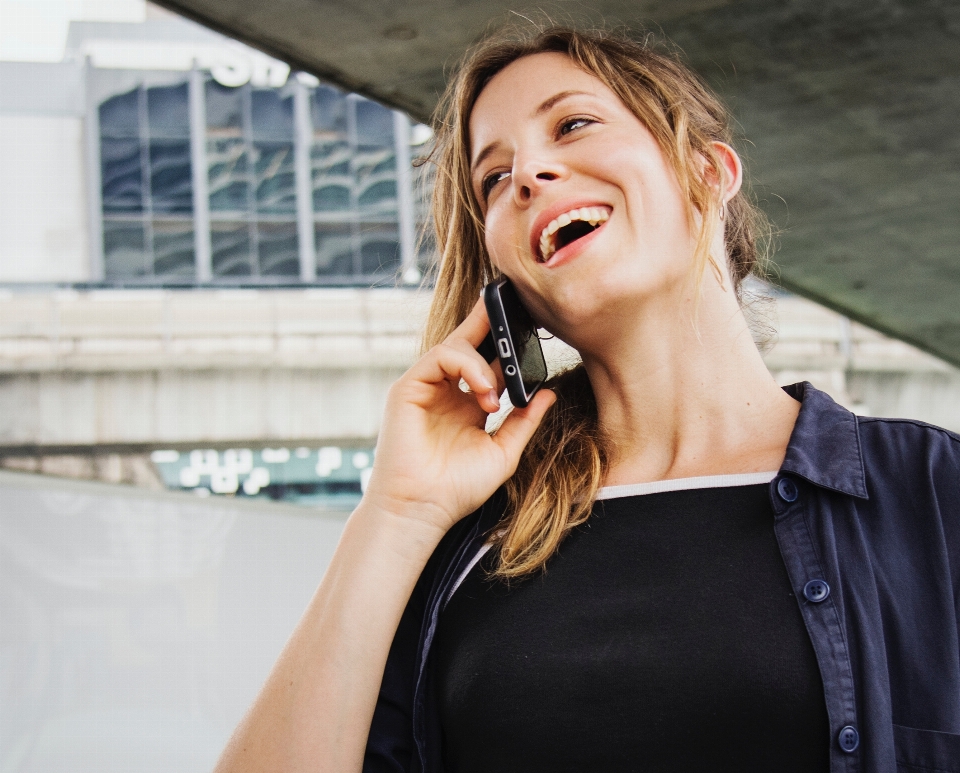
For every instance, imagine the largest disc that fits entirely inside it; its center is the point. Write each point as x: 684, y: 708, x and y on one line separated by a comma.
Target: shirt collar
x: 824, y: 446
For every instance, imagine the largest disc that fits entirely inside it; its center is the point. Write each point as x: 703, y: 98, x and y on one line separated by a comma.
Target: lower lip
x: 572, y: 250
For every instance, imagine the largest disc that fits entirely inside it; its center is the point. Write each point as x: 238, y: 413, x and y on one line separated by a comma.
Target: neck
x: 682, y: 391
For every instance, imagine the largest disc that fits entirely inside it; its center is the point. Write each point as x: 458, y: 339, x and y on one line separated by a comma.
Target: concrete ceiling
x: 851, y: 109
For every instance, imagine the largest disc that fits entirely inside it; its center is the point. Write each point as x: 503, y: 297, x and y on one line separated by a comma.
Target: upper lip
x: 554, y: 211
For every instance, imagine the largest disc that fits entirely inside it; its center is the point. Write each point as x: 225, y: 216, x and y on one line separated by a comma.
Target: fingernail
x: 494, y: 397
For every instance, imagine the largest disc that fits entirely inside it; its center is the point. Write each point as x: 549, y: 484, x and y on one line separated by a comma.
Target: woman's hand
x: 435, y: 462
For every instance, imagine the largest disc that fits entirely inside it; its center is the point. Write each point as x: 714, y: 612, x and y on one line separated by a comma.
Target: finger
x: 475, y: 327
x: 519, y: 426
x: 452, y: 362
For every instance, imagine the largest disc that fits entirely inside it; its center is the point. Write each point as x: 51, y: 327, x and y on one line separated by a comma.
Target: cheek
x: 498, y: 237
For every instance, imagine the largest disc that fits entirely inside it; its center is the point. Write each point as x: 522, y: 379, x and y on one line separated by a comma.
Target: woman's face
x: 582, y: 210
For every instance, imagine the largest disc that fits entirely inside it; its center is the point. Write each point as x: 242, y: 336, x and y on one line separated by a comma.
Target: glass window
x: 329, y: 110
x: 173, y: 249
x: 224, y: 108
x: 271, y: 115
x: 379, y: 249
x: 120, y: 115
x: 121, y: 175
x: 124, y: 250
x: 334, y: 243
x: 279, y: 255
x: 379, y: 194
x: 171, y: 182
x: 374, y: 124
x: 168, y: 111
x: 230, y: 248
x: 229, y: 178
x: 276, y: 188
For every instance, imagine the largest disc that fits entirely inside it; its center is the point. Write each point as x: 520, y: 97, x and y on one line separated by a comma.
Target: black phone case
x: 501, y: 342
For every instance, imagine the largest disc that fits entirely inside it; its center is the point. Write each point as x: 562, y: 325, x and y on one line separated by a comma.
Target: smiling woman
x: 664, y: 562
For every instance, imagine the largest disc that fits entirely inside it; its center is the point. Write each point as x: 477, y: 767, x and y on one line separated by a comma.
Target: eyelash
x: 486, y: 185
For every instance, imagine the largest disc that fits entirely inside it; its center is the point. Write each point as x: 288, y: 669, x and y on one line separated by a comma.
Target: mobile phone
x: 513, y: 339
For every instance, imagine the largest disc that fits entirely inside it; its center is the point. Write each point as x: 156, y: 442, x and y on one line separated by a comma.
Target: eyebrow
x: 545, y: 106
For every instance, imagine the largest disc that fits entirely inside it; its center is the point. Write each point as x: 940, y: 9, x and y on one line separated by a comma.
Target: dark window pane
x: 329, y: 110
x: 173, y: 250
x: 381, y: 194
x: 272, y: 116
x: 124, y: 253
x: 168, y: 112
x: 121, y: 175
x: 278, y: 249
x: 230, y: 246
x: 276, y: 189
x: 374, y: 124
x: 334, y: 249
x: 379, y: 250
x: 224, y: 107
x: 229, y: 175
x: 171, y: 185
x: 331, y: 198
x: 119, y: 115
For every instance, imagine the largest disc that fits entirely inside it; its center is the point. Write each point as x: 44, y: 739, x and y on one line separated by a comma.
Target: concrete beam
x: 848, y: 106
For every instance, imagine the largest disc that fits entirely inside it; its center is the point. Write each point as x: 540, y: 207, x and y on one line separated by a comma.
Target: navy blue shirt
x: 867, y: 518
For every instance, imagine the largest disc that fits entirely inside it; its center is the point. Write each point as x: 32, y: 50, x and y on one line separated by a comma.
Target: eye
x: 491, y: 180
x: 572, y: 124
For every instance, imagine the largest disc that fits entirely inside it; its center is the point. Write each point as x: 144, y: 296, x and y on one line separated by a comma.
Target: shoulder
x: 908, y: 442
x: 911, y: 467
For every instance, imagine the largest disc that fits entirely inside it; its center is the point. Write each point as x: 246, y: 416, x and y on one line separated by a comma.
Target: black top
x: 664, y: 636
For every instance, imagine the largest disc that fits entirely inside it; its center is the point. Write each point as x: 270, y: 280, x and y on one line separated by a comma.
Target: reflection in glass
x: 121, y: 178
x: 328, y: 109
x: 230, y: 245
x: 120, y: 115
x: 229, y: 177
x: 331, y: 177
x: 374, y: 124
x: 271, y: 115
x: 168, y: 112
x: 379, y: 249
x: 171, y: 184
x: 279, y: 255
x: 224, y: 107
x: 124, y: 253
x: 173, y: 249
x: 334, y: 249
x: 276, y: 188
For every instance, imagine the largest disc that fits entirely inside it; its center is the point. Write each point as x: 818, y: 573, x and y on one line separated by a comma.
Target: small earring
x: 723, y: 212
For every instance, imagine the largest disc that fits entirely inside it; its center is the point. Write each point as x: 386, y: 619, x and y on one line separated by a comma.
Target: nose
x: 531, y: 176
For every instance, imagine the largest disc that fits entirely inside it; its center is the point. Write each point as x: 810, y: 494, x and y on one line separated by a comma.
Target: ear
x: 731, y: 168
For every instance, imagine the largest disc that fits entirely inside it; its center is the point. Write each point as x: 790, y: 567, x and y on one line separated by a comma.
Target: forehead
x: 522, y: 86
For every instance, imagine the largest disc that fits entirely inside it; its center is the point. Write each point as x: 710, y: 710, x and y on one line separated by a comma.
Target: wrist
x: 412, y: 529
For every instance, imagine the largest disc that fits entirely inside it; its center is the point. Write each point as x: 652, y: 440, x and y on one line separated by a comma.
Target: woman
x: 665, y: 562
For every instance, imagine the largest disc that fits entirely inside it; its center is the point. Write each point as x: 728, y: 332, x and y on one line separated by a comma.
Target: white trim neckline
x: 684, y: 484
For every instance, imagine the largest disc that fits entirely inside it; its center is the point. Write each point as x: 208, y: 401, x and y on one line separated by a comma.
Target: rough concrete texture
x: 849, y: 108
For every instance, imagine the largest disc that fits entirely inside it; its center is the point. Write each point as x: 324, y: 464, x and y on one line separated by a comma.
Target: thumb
x: 521, y: 423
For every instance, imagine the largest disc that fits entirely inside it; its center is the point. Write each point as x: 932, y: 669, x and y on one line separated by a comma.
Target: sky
x: 36, y: 30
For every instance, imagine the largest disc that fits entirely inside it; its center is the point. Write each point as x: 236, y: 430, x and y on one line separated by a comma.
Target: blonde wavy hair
x: 563, y: 466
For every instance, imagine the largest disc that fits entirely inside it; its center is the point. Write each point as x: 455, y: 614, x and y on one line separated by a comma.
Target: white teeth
x: 592, y: 215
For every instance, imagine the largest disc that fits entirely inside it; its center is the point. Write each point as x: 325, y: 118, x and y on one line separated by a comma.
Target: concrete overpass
x: 850, y: 108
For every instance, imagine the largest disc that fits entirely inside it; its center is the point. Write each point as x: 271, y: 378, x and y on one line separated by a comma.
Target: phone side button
x: 510, y: 370
x: 504, y: 347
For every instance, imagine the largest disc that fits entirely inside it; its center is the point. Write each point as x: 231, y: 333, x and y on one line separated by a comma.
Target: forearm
x: 315, y: 708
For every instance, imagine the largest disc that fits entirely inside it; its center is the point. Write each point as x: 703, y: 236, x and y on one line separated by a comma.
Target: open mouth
x: 570, y: 226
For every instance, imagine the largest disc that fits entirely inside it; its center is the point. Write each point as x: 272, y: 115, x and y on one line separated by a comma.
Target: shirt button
x: 816, y: 591
x: 788, y: 490
x: 849, y: 739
